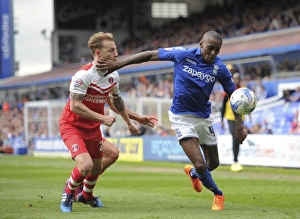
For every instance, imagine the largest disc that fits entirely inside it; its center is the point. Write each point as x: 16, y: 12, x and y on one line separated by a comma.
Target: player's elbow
x: 154, y: 55
x: 150, y: 55
x: 74, y: 107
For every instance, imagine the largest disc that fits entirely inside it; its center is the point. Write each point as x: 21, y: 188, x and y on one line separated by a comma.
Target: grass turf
x: 31, y: 188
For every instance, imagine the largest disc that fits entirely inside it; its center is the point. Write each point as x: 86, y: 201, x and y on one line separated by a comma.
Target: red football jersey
x: 96, y: 88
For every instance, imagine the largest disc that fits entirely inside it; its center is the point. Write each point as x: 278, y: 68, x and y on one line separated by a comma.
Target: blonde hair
x: 95, y: 41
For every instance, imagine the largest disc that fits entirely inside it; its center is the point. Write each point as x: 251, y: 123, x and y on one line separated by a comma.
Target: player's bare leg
x: 111, y: 154
x: 89, y: 183
x: 191, y: 147
x: 84, y: 166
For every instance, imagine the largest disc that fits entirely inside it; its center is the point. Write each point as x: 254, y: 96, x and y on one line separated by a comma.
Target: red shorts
x: 80, y: 140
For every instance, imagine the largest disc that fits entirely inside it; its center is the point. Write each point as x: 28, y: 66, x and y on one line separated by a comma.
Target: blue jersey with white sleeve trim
x: 194, y: 80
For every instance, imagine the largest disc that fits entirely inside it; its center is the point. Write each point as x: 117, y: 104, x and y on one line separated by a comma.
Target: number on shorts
x: 211, y: 130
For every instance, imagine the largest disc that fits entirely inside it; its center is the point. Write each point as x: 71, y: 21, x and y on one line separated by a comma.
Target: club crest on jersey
x: 111, y: 80
x: 75, y: 147
x: 215, y: 71
x: 78, y: 82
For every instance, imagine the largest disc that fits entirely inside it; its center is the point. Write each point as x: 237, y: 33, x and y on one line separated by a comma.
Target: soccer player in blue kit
x: 195, y: 72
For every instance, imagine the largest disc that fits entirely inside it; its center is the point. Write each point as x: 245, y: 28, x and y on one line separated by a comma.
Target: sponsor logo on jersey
x: 199, y: 74
x: 78, y: 82
x: 75, y: 147
x: 168, y: 49
x: 180, y: 48
x: 175, y: 48
x: 191, y: 61
x: 95, y: 98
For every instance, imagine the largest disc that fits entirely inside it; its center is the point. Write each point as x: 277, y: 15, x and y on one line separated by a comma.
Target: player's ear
x: 201, y: 43
x: 97, y: 53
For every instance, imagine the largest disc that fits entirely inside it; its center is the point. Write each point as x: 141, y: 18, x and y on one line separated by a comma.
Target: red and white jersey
x: 96, y: 89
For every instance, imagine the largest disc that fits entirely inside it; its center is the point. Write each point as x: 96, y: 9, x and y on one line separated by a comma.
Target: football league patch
x: 78, y: 82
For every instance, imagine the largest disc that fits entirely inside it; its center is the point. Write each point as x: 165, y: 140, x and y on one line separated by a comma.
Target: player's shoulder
x: 113, y: 77
x: 85, y: 70
x: 175, y: 49
x: 220, y: 63
x: 85, y: 73
x: 115, y: 73
x: 87, y: 67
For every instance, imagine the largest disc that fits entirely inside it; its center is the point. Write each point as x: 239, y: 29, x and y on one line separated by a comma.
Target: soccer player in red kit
x: 82, y: 116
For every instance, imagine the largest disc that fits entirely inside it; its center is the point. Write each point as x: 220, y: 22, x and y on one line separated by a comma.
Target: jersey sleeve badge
x: 78, y: 82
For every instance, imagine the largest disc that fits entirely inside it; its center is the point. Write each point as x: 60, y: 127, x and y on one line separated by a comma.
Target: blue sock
x: 207, y: 181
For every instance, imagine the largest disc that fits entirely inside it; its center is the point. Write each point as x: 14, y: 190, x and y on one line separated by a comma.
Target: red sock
x: 88, y: 186
x: 75, y: 180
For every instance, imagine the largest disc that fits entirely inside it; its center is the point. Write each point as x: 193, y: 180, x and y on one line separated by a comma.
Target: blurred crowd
x: 295, y: 125
x: 255, y: 16
x: 238, y: 19
x: 12, y: 116
x: 12, y: 134
x: 290, y: 95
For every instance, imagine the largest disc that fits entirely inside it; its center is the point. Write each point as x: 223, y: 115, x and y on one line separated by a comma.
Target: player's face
x: 109, y: 51
x: 210, y: 48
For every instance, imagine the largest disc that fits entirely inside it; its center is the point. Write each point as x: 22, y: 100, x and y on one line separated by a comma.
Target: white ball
x: 243, y: 101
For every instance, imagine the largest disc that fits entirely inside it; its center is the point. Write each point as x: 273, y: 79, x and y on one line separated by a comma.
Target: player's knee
x: 111, y: 152
x: 200, y: 168
x: 213, y: 165
x: 115, y: 154
x: 86, y: 168
x: 97, y: 170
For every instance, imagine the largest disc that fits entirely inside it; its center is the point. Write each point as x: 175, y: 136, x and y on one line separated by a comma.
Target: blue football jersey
x: 194, y: 80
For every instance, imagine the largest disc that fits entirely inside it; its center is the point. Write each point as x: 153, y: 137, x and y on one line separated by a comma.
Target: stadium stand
x: 254, y: 17
x: 260, y: 20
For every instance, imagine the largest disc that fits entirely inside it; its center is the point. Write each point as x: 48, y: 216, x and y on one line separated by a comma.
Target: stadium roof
x: 274, y: 42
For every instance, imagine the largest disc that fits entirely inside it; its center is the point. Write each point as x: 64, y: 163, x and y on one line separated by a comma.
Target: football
x: 243, y: 101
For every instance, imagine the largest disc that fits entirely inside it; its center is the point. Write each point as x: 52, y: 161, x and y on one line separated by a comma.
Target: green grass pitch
x: 31, y: 188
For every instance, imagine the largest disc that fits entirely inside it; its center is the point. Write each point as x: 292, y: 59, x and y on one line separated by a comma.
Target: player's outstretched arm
x: 111, y: 65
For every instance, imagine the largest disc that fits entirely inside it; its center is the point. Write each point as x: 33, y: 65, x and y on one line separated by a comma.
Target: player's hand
x: 147, y: 120
x: 105, y: 65
x: 133, y: 129
x: 240, y: 134
x: 108, y: 120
